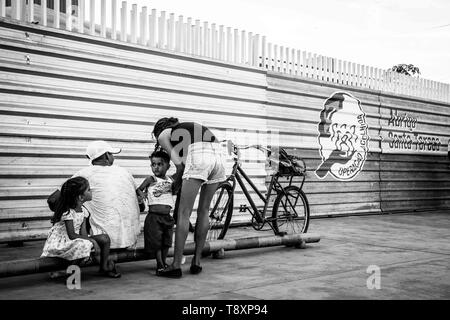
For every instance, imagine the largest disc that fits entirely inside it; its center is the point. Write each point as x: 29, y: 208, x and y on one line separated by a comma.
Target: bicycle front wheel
x: 290, y: 214
x: 221, y: 212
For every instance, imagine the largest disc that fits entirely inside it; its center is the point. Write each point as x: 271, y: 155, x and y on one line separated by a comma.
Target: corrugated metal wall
x: 59, y: 91
x: 396, y: 176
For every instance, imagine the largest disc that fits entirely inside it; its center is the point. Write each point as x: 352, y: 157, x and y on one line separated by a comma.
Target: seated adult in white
x: 114, y: 207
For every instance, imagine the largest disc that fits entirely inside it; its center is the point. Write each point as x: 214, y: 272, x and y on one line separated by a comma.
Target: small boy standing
x: 158, y: 225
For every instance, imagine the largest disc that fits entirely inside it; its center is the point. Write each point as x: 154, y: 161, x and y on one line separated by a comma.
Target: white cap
x: 99, y: 147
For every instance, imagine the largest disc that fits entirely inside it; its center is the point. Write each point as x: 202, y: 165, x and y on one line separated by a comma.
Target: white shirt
x: 114, y: 206
x: 160, y: 192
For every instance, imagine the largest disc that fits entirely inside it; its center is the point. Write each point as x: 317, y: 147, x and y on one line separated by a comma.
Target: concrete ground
x: 411, y: 250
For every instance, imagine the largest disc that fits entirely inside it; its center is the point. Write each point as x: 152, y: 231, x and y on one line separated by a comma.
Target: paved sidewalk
x: 411, y: 250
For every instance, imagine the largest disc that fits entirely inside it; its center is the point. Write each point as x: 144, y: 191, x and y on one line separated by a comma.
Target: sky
x: 378, y: 33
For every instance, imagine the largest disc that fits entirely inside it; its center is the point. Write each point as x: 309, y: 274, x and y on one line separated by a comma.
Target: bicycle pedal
x: 243, y: 208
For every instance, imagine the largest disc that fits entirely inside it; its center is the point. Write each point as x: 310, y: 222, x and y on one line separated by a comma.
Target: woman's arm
x: 164, y: 140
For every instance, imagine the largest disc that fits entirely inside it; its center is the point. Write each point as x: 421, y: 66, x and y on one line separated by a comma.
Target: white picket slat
x: 123, y: 22
x: 144, y: 26
x: 298, y: 68
x: 269, y: 57
x: 263, y: 51
x: 113, y: 19
x: 179, y: 34
x: 162, y: 30
x: 213, y: 41
x: 3, y: 8
x: 30, y: 11
x: 282, y: 60
x: 256, y: 53
x: 16, y: 8
x: 250, y: 48
x: 243, y: 46
x: 133, y: 23
x: 152, y: 29
x: 43, y: 11
x: 189, y: 35
x: 206, y: 39
x: 91, y: 17
x: 229, y: 45
x: 197, y: 38
x: 171, y: 32
x: 236, y: 46
x: 56, y: 13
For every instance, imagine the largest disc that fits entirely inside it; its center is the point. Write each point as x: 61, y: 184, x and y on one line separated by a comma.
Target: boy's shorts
x: 205, y: 161
x: 158, y: 231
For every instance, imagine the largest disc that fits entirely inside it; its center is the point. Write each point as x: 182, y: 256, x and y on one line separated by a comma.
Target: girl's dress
x: 58, y: 243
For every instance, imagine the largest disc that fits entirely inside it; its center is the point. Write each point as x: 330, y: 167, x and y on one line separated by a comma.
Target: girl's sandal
x: 110, y: 273
x: 86, y: 261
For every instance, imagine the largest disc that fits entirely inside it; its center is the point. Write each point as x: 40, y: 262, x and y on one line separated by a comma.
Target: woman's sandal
x: 195, y: 269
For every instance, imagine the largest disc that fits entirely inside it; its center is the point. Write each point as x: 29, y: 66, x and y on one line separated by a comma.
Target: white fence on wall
x: 123, y: 22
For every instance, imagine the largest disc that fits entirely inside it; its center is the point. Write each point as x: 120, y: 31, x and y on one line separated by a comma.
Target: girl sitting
x: 68, y: 238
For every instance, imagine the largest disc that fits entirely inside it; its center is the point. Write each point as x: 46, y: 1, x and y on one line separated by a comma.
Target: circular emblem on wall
x: 343, y: 137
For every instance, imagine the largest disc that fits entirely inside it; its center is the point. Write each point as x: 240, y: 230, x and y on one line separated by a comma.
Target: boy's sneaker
x: 158, y: 271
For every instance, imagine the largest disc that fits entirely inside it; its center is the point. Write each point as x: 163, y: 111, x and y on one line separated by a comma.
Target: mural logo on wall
x: 343, y: 137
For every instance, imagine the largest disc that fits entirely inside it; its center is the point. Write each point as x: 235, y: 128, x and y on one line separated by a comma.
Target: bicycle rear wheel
x: 221, y: 212
x: 290, y: 213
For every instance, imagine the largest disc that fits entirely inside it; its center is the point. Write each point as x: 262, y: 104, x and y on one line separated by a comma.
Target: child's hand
x: 141, y: 198
x: 141, y: 195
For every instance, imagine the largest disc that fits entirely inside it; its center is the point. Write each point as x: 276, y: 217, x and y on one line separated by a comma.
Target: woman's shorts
x: 205, y: 161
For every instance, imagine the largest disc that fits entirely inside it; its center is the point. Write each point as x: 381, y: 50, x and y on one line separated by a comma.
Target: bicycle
x: 290, y: 212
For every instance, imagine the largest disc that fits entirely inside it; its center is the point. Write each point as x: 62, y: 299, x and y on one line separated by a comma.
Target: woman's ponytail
x: 163, y: 124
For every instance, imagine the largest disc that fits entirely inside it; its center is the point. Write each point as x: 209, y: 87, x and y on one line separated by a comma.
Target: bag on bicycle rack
x: 290, y: 165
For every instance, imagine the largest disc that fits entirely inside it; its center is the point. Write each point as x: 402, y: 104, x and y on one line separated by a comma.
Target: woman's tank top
x: 187, y: 133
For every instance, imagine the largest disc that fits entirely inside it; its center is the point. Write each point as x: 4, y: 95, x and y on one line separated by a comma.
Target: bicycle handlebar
x: 234, y: 148
x: 256, y: 146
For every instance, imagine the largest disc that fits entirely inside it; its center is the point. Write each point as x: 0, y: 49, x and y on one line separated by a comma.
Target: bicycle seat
x: 230, y: 147
x: 232, y: 150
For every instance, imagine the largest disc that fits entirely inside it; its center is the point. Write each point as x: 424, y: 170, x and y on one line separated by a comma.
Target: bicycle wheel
x: 290, y: 214
x: 221, y: 212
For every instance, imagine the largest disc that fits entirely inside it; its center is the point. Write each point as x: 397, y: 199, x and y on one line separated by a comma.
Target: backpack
x: 53, y: 199
x: 290, y: 165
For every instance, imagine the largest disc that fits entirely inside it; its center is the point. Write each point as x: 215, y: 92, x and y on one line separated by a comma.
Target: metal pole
x: 30, y: 266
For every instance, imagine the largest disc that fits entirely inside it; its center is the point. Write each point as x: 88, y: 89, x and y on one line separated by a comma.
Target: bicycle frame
x: 260, y: 216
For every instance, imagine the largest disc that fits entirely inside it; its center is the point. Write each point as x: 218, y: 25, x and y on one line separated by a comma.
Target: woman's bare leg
x: 189, y: 190
x: 202, y: 225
